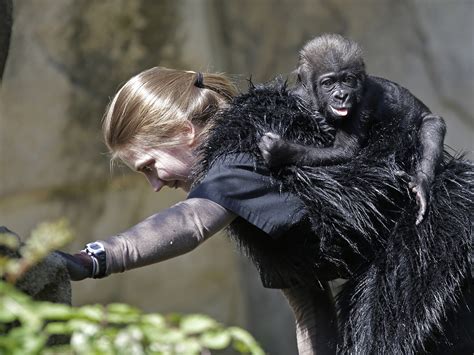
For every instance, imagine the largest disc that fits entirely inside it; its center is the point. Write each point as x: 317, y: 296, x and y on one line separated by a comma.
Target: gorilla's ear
x: 302, y: 77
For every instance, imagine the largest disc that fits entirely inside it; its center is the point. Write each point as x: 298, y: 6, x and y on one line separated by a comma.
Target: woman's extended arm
x: 169, y: 233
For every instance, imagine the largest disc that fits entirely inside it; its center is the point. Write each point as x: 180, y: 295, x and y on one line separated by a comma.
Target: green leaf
x: 174, y: 318
x: 197, y: 323
x: 58, y: 328
x: 122, y: 313
x: 33, y: 344
x: 188, y: 347
x: 6, y: 316
x: 128, y: 341
x: 216, y: 340
x: 151, y: 333
x: 54, y: 311
x: 26, y: 314
x: 9, y: 240
x: 81, y: 343
x: 166, y: 336
x: 93, y: 312
x: 121, y: 308
x: 157, y: 348
x: 114, y: 318
x: 155, y: 320
x: 83, y: 326
x: 13, y: 293
x: 244, y: 341
x: 104, y: 345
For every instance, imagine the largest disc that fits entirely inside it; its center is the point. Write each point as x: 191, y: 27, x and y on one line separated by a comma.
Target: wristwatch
x: 97, y: 252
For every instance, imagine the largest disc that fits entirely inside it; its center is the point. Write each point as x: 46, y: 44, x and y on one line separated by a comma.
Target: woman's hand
x: 79, y: 266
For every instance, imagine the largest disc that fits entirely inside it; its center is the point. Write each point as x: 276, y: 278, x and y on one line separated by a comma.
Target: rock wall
x: 67, y: 58
x: 5, y: 31
x: 426, y: 46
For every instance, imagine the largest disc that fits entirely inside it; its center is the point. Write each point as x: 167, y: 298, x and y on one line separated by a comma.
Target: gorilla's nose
x: 341, y: 95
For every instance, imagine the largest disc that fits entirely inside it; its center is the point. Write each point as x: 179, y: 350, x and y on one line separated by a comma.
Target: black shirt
x: 235, y: 182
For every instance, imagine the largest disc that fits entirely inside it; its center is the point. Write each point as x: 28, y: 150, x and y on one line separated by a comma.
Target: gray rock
x: 47, y: 280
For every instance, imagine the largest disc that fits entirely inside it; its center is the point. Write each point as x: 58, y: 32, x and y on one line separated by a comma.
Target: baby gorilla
x: 333, y: 81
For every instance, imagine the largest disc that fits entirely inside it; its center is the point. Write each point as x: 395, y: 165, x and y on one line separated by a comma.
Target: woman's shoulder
x: 237, y: 182
x: 264, y: 108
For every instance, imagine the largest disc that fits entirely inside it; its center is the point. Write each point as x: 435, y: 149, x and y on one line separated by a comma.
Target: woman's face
x: 165, y: 166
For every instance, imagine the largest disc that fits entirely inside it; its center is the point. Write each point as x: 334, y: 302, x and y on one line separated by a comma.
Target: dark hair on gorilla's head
x: 331, y: 52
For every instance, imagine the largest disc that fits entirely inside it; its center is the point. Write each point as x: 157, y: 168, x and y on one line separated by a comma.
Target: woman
x: 154, y: 124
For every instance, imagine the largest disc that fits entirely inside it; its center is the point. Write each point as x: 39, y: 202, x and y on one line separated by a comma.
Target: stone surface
x: 48, y: 281
x: 5, y: 31
x: 68, y: 57
x: 426, y: 46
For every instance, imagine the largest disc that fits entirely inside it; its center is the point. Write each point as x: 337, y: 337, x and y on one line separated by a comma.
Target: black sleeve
x: 238, y: 184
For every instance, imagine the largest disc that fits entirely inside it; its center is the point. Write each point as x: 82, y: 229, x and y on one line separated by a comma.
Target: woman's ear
x: 189, y: 133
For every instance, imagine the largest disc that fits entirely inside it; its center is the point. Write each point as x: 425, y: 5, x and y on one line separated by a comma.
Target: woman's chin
x: 178, y: 184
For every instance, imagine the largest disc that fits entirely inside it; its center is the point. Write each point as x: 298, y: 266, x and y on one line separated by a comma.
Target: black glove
x: 79, y: 266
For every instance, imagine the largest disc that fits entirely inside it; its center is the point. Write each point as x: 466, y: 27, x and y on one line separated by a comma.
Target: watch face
x: 95, y: 246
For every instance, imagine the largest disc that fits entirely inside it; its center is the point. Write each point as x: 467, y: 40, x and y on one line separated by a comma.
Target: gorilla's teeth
x: 340, y: 112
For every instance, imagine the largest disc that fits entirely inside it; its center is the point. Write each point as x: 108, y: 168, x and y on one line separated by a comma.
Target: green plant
x: 26, y: 325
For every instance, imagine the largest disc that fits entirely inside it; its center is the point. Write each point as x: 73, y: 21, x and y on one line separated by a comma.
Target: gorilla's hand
x: 276, y: 151
x: 420, y: 186
x: 79, y: 266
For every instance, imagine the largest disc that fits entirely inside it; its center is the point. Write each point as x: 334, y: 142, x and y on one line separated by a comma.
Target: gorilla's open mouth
x: 342, y: 111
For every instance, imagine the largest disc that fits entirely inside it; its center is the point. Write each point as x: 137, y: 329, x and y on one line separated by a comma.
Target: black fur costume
x: 404, y: 280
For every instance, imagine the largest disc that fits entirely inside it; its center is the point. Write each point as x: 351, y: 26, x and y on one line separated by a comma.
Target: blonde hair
x: 153, y: 107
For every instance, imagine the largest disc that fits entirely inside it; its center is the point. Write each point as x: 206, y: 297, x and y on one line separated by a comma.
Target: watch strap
x: 97, y: 253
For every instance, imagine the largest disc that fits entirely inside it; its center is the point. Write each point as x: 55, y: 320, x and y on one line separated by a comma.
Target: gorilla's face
x: 338, y: 93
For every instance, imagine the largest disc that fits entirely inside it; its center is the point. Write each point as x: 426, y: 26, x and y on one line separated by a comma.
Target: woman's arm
x: 172, y: 232
x: 315, y: 318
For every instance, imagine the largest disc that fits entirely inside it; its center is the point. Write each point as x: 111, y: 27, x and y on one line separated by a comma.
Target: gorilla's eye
x: 327, y: 83
x: 350, y: 80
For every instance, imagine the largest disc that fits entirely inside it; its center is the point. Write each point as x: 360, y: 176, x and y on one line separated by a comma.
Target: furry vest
x: 404, y: 280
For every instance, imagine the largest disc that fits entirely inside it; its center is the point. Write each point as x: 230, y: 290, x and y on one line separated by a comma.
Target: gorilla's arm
x: 431, y: 135
x: 279, y: 152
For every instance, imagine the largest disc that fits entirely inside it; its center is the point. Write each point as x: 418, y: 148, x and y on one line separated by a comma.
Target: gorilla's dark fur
x: 332, y: 81
x: 404, y: 280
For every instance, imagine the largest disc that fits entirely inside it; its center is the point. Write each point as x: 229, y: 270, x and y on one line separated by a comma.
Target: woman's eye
x: 147, y: 169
